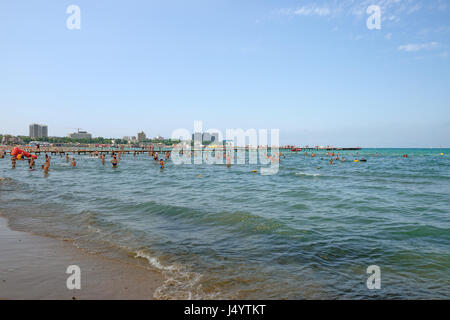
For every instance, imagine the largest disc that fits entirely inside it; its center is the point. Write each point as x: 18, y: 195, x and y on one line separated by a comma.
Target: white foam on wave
x: 154, y: 261
x: 179, y: 284
x: 300, y: 173
x: 94, y: 229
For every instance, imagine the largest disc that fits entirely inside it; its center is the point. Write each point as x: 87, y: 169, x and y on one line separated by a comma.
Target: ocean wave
x: 418, y: 231
x: 154, y: 261
x: 300, y: 173
x: 6, y: 180
x: 244, y: 221
x: 180, y: 283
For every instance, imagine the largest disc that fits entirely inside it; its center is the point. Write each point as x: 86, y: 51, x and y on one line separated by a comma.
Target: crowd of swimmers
x: 162, y: 157
x: 115, y: 155
x: 336, y: 157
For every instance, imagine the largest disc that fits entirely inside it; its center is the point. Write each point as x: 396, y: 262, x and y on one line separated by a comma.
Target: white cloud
x: 391, y: 9
x: 310, y: 10
x: 393, y: 18
x: 388, y: 36
x: 426, y: 31
x: 412, y: 47
x: 414, y: 8
x: 356, y: 37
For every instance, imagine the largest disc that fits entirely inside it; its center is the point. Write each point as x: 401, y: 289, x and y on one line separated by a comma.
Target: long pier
x: 142, y: 150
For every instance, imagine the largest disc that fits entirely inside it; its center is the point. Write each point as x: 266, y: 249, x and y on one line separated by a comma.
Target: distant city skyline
x: 312, y: 69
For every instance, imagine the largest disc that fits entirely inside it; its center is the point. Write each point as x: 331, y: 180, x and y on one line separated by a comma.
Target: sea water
x: 218, y: 232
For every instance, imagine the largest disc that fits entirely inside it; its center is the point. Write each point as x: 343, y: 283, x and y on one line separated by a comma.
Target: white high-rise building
x: 38, y: 131
x: 44, y: 131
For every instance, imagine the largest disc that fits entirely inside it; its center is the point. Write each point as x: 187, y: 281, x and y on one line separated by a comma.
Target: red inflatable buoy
x: 17, y: 151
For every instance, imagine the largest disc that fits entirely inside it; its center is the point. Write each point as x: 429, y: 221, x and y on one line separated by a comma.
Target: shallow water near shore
x: 231, y: 233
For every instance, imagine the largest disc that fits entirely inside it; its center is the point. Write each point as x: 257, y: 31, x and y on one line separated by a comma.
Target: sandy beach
x: 34, y: 267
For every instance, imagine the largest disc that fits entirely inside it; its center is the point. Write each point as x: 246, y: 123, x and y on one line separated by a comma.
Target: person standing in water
x: 13, y: 162
x: 114, y: 162
x: 161, y: 163
x: 45, y: 167
x: 47, y: 160
x: 103, y: 159
x: 74, y: 163
x: 67, y: 158
x: 31, y: 163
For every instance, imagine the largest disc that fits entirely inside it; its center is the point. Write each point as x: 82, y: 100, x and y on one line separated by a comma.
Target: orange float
x: 16, y: 151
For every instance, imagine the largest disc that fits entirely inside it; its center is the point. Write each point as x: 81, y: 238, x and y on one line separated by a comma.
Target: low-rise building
x: 141, y: 136
x: 80, y: 135
x: 11, y: 140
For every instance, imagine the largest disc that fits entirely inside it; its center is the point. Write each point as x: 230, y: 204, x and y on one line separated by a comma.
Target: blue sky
x: 309, y: 68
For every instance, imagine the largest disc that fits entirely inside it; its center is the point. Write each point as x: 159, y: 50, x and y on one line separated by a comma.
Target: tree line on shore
x: 98, y: 140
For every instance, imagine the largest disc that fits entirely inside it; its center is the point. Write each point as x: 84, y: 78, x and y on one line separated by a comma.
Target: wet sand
x: 34, y: 267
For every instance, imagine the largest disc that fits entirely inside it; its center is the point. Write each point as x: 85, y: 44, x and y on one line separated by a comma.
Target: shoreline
x: 34, y: 267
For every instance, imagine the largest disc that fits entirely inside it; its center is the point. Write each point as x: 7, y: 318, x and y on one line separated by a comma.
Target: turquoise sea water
x: 231, y: 233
